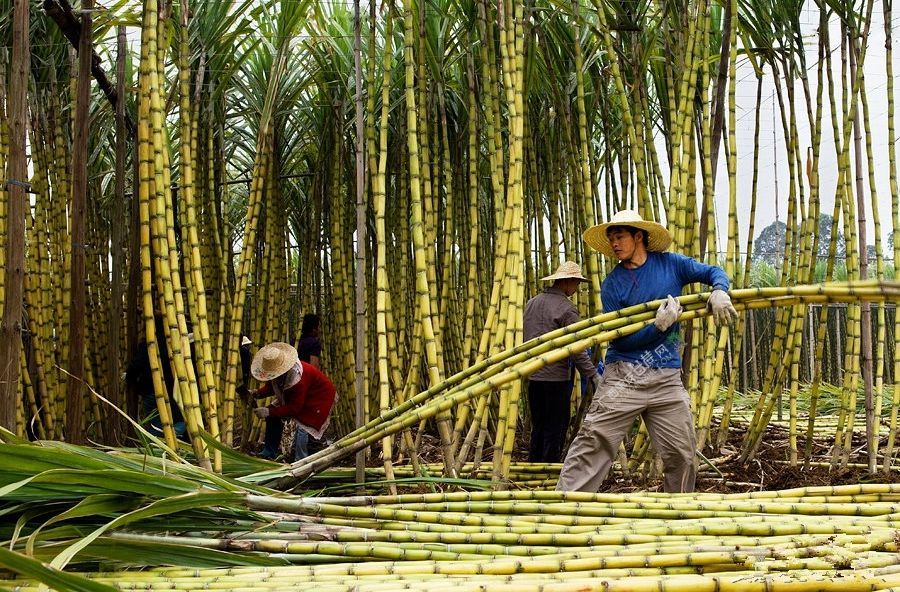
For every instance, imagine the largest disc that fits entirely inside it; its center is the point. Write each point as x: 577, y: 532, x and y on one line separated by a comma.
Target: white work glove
x: 720, y: 304
x: 596, y: 382
x: 668, y: 313
x: 261, y: 412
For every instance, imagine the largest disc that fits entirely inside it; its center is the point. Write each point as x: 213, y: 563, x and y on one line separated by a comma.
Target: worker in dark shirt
x: 246, y: 359
x: 139, y: 378
x: 309, y: 347
x: 550, y: 388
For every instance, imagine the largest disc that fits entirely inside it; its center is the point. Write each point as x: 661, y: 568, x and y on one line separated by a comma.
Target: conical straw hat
x: 273, y: 360
x: 567, y: 271
x: 658, y: 238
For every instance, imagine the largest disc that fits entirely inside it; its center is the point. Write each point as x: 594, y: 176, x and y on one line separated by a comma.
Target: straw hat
x: 658, y: 238
x: 567, y: 271
x: 273, y: 360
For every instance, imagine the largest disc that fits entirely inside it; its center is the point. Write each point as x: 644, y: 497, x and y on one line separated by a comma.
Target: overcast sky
x: 773, y: 156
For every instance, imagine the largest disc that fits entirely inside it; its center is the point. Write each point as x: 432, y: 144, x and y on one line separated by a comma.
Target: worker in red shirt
x: 301, y: 392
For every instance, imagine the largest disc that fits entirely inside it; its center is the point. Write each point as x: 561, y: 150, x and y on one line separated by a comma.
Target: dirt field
x: 769, y: 469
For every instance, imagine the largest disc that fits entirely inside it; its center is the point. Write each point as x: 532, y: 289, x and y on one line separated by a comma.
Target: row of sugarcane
x: 467, y: 207
x: 76, y: 518
x: 759, y: 327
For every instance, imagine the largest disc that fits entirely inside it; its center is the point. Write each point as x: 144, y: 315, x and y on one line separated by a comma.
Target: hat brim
x: 658, y: 238
x: 564, y: 276
x: 288, y: 360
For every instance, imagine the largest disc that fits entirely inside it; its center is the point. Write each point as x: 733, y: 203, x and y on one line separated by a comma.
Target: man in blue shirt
x: 643, y: 370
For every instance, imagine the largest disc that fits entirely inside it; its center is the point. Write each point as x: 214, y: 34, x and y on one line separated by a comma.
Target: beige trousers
x: 629, y: 391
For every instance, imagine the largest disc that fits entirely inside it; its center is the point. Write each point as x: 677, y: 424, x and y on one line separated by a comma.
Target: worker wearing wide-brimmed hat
x: 643, y: 369
x: 550, y: 388
x: 301, y: 391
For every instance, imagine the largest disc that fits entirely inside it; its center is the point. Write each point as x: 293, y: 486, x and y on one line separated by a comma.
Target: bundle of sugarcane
x: 430, y: 475
x: 517, y: 363
x: 384, y: 576
x: 824, y: 424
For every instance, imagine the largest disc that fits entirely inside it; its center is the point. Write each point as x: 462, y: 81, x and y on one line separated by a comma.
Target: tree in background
x: 769, y: 245
x: 825, y: 222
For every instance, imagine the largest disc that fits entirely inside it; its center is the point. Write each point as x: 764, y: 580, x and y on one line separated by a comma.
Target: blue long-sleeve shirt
x: 661, y: 275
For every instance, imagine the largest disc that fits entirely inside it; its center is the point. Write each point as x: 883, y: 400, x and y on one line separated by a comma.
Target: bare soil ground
x: 770, y: 468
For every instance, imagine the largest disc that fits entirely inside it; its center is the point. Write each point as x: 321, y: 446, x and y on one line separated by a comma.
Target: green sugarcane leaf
x: 162, y: 507
x: 25, y: 516
x: 9, y: 437
x: 235, y: 462
x: 95, y: 505
x: 104, y: 503
x: 47, y: 575
x: 138, y: 553
x: 83, y: 482
x: 199, y: 474
x: 33, y: 458
x: 67, y: 533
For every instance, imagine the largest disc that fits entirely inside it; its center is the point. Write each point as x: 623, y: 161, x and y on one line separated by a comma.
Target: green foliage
x: 763, y: 275
x: 26, y: 566
x: 839, y: 273
x: 63, y: 502
x: 828, y: 400
x: 769, y: 245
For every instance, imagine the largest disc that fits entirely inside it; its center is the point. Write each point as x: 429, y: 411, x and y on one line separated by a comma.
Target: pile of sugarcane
x: 76, y: 518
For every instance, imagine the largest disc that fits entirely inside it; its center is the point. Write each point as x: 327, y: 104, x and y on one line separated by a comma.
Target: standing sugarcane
x: 261, y: 177
x: 587, y: 197
x: 895, y: 219
x: 423, y: 297
x: 567, y: 161
x: 731, y: 258
x: 13, y: 198
x: 509, y: 329
x: 167, y: 267
x: 4, y: 193
x: 875, y: 385
x: 857, y: 49
x: 145, y: 189
x: 853, y: 70
x: 379, y: 198
x: 191, y: 243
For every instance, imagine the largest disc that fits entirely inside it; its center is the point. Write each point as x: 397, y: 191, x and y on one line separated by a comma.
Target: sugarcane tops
x: 660, y: 275
x: 309, y: 400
